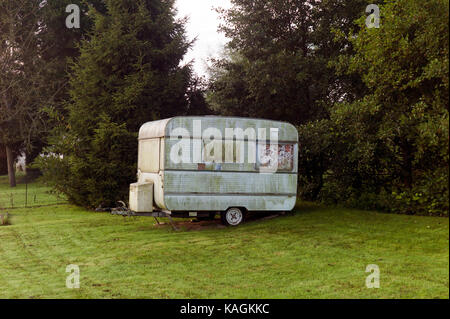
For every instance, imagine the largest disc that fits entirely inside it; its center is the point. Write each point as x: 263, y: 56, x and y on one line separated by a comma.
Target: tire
x: 232, y: 217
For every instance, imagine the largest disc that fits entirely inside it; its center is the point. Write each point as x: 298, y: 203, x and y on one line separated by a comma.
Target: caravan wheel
x: 232, y: 217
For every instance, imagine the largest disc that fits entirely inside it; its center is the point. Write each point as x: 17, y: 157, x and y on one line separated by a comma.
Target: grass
x: 315, y: 253
x: 36, y: 194
x: 4, y: 219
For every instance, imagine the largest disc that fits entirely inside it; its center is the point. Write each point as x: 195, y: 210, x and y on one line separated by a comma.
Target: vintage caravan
x: 197, y: 166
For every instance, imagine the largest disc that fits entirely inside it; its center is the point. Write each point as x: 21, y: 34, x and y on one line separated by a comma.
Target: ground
x: 316, y: 252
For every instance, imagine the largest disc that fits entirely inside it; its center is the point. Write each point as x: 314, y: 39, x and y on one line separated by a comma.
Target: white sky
x: 203, y: 23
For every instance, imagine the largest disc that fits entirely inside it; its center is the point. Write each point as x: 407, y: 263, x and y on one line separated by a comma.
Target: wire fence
x: 28, y: 194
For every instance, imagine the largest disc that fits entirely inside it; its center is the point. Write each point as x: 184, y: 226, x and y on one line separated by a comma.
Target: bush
x: 100, y: 172
x: 389, y: 150
x: 346, y: 161
x: 315, y: 152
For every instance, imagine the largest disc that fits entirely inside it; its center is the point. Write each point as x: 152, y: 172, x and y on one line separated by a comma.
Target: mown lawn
x: 29, y: 194
x: 314, y: 253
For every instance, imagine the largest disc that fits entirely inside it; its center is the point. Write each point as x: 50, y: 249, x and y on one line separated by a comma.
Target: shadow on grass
x: 303, y: 207
x: 192, y: 224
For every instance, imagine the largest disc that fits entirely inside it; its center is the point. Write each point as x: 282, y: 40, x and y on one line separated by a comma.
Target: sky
x: 203, y: 22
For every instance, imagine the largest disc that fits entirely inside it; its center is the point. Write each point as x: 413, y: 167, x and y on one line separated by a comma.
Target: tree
x: 276, y: 64
x: 390, y: 148
x: 196, y: 97
x: 21, y: 77
x: 35, y: 48
x: 128, y: 73
x: 60, y: 45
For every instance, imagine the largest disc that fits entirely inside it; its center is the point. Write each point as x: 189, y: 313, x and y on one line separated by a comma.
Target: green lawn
x: 33, y: 194
x: 315, y: 253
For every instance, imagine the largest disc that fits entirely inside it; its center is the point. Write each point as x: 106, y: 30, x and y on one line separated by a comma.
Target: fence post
x: 26, y: 193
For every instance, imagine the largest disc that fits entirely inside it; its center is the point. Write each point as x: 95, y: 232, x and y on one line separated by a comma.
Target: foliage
x: 21, y: 80
x: 276, y: 64
x: 35, y: 45
x: 128, y: 73
x: 315, y: 153
x: 390, y: 148
x: 59, y: 45
x: 196, y: 97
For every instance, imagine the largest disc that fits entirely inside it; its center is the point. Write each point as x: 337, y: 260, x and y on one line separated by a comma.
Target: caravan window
x: 224, y: 151
x: 279, y: 155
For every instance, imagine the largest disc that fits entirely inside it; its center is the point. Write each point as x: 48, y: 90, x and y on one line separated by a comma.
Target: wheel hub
x: 234, y: 216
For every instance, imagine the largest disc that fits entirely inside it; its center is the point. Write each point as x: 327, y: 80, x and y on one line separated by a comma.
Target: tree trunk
x: 11, y: 170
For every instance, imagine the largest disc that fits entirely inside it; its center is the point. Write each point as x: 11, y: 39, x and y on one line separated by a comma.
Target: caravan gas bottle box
x: 141, y: 197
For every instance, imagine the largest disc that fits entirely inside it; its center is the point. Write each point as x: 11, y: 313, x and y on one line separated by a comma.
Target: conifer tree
x: 20, y: 78
x: 128, y: 73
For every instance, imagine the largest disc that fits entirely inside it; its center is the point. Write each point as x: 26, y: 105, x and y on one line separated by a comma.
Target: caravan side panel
x: 216, y: 186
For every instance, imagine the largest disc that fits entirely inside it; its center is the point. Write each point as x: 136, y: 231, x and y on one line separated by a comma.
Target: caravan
x: 197, y: 166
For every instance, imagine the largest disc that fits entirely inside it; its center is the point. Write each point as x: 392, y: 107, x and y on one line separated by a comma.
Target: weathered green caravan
x: 210, y: 164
